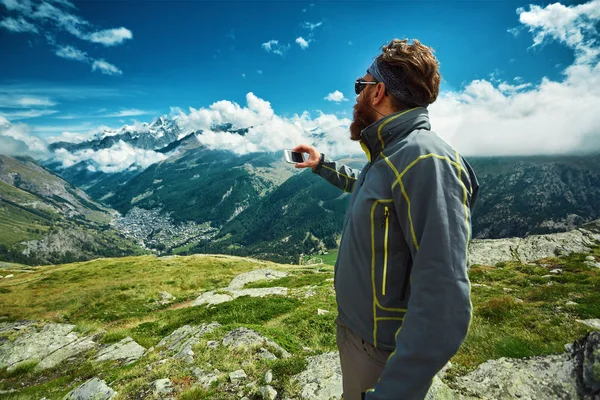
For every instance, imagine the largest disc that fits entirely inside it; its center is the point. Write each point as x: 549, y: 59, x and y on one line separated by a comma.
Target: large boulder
x: 93, y: 389
x: 127, y: 350
x: 179, y: 343
x: 48, y: 345
x: 322, y: 379
x: 247, y: 338
x: 535, y: 247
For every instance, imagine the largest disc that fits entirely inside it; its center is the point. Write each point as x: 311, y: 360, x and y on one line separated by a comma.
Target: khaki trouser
x: 362, y: 363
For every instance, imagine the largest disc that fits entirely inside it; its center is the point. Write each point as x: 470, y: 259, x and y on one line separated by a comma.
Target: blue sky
x: 123, y: 61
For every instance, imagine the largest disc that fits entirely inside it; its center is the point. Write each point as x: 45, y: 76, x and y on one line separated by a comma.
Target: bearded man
x: 401, y: 279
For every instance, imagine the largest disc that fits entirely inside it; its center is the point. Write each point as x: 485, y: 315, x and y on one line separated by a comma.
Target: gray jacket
x: 401, y: 274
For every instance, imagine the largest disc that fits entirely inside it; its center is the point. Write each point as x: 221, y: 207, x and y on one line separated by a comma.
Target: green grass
x: 516, y: 315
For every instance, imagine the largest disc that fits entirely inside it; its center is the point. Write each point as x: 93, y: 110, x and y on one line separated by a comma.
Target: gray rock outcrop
x: 574, y: 374
x: 535, y: 247
x: 49, y: 346
x: 179, y: 343
x: 93, y: 389
x: 127, y: 350
x: 244, y: 337
x: 236, y: 288
x: 322, y: 379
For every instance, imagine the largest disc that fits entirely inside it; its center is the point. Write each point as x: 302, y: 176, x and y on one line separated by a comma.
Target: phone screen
x: 297, y: 157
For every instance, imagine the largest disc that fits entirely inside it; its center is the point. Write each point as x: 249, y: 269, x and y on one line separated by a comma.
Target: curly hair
x: 416, y: 65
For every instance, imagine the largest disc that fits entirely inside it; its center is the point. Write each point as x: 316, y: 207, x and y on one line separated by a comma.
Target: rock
x: 322, y: 379
x: 269, y: 377
x: 518, y: 300
x: 179, y: 343
x: 439, y: 391
x: 212, y: 344
x: 267, y: 392
x: 546, y: 276
x: 212, y: 298
x: 50, y: 345
x: 254, y: 276
x: 442, y: 372
x: 126, y: 350
x: 265, y: 354
x: 590, y: 258
x: 586, y: 352
x: 570, y: 303
x: 237, y: 376
x: 594, y: 323
x: 322, y: 312
x: 205, y: 379
x: 480, y: 285
x: 556, y: 271
x: 507, y: 290
x: 162, y: 387
x: 8, y: 276
x: 546, y: 377
x: 166, y: 298
x: 93, y: 389
x: 532, y: 248
x: 244, y: 337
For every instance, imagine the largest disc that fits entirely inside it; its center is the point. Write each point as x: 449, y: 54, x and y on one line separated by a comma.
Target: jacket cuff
x: 317, y: 169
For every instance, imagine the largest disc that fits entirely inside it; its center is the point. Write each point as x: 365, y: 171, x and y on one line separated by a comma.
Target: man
x: 401, y: 279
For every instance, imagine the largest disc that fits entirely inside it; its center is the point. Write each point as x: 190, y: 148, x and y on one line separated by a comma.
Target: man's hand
x: 313, y: 156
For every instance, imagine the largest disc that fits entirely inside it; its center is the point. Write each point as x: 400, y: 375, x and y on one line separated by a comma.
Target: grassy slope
x: 119, y: 295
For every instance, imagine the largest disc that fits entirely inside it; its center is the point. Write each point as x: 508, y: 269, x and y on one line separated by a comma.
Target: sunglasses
x: 360, y: 84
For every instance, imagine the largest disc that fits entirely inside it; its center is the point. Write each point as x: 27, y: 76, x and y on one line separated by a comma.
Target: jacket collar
x: 391, y: 128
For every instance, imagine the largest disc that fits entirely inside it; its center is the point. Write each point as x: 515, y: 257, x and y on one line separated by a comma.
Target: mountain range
x: 202, y: 199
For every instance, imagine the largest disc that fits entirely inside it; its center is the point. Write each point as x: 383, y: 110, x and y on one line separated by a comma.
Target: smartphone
x: 293, y: 157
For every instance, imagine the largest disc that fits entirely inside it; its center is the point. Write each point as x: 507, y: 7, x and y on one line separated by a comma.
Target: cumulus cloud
x: 336, y: 97
x: 552, y: 117
x: 574, y: 26
x: 267, y: 131
x: 17, y: 140
x: 106, y: 68
x: 302, y: 42
x: 18, y: 25
x: 273, y: 46
x: 118, y: 158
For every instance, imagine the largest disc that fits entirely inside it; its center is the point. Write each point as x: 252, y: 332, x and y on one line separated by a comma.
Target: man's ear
x: 379, y: 94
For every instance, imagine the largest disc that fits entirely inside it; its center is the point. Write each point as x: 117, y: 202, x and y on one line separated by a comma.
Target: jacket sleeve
x: 433, y: 200
x: 337, y: 174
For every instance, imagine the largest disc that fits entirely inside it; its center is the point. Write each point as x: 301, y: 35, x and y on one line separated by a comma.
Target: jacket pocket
x: 386, y: 224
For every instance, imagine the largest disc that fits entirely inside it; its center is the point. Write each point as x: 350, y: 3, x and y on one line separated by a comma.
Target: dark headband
x: 394, y: 85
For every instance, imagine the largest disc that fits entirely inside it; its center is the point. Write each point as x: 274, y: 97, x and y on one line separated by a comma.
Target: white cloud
x: 259, y: 71
x: 48, y: 16
x: 18, y: 25
x: 16, y: 140
x: 24, y: 101
x: 106, y: 68
x: 574, y: 26
x: 551, y: 117
x: 71, y: 53
x: 273, y: 46
x: 111, y: 37
x: 302, y: 42
x: 267, y: 131
x: 18, y: 5
x: 133, y: 112
x: 119, y: 157
x: 243, y: 75
x: 311, y: 26
x: 24, y: 114
x: 336, y: 96
x: 350, y: 43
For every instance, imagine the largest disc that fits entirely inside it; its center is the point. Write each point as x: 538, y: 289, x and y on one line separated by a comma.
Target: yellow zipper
x: 386, y: 215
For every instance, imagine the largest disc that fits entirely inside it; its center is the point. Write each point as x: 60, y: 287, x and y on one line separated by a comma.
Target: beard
x: 363, y: 116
